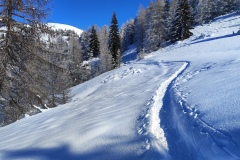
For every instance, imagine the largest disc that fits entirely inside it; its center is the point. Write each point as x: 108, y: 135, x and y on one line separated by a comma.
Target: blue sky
x: 85, y: 13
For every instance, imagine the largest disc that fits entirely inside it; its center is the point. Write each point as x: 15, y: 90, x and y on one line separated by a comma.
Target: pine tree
x: 166, y: 7
x: 194, y: 9
x: 76, y: 60
x: 114, y: 41
x: 167, y: 19
x: 235, y: 6
x: 85, y: 44
x: 94, y: 43
x: 139, y: 28
x: 105, y: 56
x: 127, y: 35
x: 182, y: 22
x: 58, y: 71
x: 173, y: 8
x: 230, y: 5
x: 154, y: 33
x: 58, y: 84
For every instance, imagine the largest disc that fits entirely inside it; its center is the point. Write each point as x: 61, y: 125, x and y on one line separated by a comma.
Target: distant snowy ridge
x: 57, y: 26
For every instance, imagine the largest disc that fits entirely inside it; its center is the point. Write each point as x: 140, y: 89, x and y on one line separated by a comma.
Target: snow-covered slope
x: 181, y: 102
x: 57, y: 26
x: 105, y: 120
x: 205, y: 112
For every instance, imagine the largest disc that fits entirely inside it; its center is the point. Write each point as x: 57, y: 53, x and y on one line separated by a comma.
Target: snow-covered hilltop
x: 191, y: 88
x: 58, y: 26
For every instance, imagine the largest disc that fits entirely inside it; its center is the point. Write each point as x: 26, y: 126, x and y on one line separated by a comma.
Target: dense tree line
x: 101, y: 47
x: 161, y: 23
x: 165, y: 21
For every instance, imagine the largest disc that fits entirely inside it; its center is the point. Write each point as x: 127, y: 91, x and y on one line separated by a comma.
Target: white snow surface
x: 180, y: 103
x: 103, y: 120
x: 56, y: 26
x: 205, y: 101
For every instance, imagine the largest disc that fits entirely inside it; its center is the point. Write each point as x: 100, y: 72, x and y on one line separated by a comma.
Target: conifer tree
x: 76, y: 60
x: 235, y: 5
x: 182, y: 22
x: 94, y: 43
x: 194, y: 8
x: 173, y: 8
x: 114, y: 41
x: 155, y: 29
x: 139, y: 28
x: 127, y: 35
x: 167, y: 19
x: 105, y: 56
x: 166, y: 6
x: 85, y: 44
x: 230, y: 5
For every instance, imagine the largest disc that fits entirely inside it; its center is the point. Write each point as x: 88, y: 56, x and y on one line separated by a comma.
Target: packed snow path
x: 107, y: 118
x: 157, y: 137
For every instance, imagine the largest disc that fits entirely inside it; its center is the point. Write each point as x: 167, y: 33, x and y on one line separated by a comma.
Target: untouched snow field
x: 179, y: 103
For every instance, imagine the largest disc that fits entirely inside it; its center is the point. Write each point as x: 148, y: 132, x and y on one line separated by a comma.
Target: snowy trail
x: 157, y: 133
x: 101, y: 122
x: 155, y: 140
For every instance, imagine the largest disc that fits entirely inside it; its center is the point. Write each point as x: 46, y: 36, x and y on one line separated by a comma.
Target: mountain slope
x: 102, y: 121
x: 57, y: 26
x: 191, y: 88
x: 205, y: 97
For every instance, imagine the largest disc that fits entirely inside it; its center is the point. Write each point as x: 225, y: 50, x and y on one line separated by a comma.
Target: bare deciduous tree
x: 20, y: 22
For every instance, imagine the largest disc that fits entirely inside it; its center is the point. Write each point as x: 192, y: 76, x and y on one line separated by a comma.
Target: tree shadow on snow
x: 64, y: 152
x: 130, y: 57
x: 58, y: 153
x: 216, y: 38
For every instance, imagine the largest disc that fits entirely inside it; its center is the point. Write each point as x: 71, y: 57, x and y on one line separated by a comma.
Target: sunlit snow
x: 191, y: 88
x: 57, y: 26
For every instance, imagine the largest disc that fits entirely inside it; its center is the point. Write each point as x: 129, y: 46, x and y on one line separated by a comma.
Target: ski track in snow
x: 155, y: 139
x: 155, y: 121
